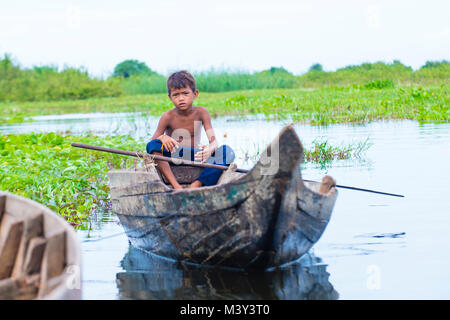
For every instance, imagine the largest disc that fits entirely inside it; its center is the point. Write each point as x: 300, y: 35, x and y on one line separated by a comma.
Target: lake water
x: 375, y: 247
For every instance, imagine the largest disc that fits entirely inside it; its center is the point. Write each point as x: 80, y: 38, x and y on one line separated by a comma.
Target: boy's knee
x: 224, y: 154
x: 154, y: 145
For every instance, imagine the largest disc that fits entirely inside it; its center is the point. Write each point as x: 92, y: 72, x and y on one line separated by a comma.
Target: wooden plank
x: 51, y: 289
x: 229, y: 175
x: 138, y: 189
x: 33, y: 227
x: 9, y: 288
x: 11, y: 231
x: 34, y: 256
x: 54, y: 259
x: 2, y: 206
x: 121, y: 178
x: 53, y: 262
x: 24, y: 288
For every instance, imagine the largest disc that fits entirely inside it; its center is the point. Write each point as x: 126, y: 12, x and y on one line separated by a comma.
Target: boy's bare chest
x: 184, y: 126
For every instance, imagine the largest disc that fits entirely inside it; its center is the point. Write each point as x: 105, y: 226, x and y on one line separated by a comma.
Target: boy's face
x: 183, y: 98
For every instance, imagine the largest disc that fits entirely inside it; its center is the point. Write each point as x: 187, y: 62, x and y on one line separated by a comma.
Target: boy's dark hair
x: 180, y: 79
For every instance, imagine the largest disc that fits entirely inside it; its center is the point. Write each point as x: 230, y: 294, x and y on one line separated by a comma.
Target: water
x: 375, y: 247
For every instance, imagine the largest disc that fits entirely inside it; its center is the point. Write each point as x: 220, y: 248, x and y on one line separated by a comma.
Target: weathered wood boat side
x: 40, y: 257
x: 237, y: 224
x: 304, y: 214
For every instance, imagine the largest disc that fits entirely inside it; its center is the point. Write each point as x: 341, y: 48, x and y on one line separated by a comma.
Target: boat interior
x: 34, y: 249
x: 185, y: 175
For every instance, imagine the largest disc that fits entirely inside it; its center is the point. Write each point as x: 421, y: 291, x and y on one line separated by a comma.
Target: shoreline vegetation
x: 73, y: 182
x: 319, y: 106
x: 362, y: 93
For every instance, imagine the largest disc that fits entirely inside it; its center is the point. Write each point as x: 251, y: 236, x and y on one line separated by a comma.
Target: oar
x: 203, y: 165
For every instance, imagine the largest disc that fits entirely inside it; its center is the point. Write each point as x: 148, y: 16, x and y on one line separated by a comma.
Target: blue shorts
x: 223, y: 156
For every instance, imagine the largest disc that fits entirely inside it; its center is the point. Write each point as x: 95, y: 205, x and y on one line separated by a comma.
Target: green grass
x: 354, y: 103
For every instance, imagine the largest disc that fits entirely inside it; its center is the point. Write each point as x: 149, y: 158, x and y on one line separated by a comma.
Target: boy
x: 178, y: 133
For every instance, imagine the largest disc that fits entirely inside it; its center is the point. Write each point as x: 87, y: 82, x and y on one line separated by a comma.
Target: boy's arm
x: 162, y: 126
x: 212, y: 147
x: 209, y: 131
x: 167, y: 141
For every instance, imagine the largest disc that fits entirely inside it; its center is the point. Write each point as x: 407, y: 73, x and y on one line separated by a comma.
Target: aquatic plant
x: 70, y: 181
x: 321, y: 152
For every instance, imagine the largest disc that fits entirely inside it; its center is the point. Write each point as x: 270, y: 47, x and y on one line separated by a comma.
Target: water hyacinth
x: 70, y: 181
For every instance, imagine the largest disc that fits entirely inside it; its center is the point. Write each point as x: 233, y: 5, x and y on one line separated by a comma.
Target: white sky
x: 247, y: 35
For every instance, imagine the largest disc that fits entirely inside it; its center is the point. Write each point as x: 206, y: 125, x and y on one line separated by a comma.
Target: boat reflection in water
x: 148, y: 276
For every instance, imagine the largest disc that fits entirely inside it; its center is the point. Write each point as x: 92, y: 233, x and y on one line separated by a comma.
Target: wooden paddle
x: 202, y: 165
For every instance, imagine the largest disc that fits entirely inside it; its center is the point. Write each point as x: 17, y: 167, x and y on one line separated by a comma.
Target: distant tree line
x: 44, y: 83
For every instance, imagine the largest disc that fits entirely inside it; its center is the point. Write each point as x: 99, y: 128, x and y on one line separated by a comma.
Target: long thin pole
x: 204, y: 165
x: 155, y: 157
x: 365, y: 190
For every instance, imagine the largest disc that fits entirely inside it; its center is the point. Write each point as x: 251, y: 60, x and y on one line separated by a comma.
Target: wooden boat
x: 39, y: 252
x: 148, y: 276
x: 264, y: 218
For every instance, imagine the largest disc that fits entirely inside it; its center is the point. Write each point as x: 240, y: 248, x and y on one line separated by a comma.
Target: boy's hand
x: 204, y: 154
x: 168, y: 142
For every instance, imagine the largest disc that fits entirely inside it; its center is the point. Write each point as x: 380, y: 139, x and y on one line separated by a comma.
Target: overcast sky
x: 247, y: 35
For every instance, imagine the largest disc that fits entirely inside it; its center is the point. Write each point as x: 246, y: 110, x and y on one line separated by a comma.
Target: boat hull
x: 257, y: 221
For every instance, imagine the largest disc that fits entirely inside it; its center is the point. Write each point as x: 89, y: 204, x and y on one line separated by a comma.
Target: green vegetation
x: 129, y: 68
x: 220, y: 81
x: 431, y: 74
x: 324, y: 153
x: 47, y: 83
x: 73, y: 182
x: 316, y: 67
x: 321, y: 153
x: 369, y: 102
x: 132, y: 77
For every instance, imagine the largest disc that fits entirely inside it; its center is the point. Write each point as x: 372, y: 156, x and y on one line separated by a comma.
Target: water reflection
x: 148, y: 276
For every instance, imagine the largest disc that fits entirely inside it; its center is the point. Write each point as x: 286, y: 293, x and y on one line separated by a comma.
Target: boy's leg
x: 224, y: 155
x: 196, y: 184
x: 164, y: 166
x: 155, y: 147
